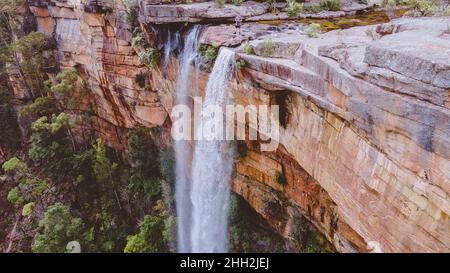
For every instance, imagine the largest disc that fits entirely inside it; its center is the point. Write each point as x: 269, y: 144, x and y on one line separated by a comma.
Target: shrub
x: 149, y: 58
x: 140, y: 80
x: 248, y: 49
x: 267, y: 47
x: 237, y: 2
x: 14, y: 196
x: 220, y: 3
x: 167, y: 162
x: 138, y: 40
x: 66, y: 81
x: 38, y: 185
x: 27, y: 209
x: 294, y: 8
x: 56, y: 229
x: 42, y: 106
x: 144, y: 159
x: 292, y: 50
x: 314, y: 8
x: 50, y: 144
x: 331, y: 5
x: 312, y: 30
x: 240, y: 64
x: 14, y: 164
x: 425, y: 7
x: 150, y: 238
x: 208, y: 51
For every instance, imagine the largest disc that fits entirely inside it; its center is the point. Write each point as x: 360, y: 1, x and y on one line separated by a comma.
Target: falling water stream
x: 202, y: 191
x: 182, y: 154
x: 212, y: 167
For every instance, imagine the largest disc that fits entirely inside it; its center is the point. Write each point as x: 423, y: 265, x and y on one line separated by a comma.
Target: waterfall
x: 172, y: 43
x: 182, y: 154
x: 211, y: 169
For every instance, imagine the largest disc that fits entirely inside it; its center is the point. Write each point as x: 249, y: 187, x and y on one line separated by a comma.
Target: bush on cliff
x: 150, y: 238
x: 56, y: 229
x: 50, y: 144
x: 331, y: 5
x: 267, y: 47
x: 293, y: 8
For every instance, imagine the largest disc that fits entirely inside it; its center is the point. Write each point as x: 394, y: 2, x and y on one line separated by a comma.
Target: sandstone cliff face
x: 366, y: 149
x: 370, y: 124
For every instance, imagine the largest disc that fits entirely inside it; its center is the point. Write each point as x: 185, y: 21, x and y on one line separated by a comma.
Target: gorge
x: 363, y: 157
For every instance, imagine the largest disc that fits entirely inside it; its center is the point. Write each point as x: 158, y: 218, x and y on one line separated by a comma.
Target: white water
x: 211, y: 170
x: 173, y: 40
x: 182, y: 154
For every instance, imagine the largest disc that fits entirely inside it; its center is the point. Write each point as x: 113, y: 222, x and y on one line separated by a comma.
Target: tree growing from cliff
x: 145, y: 168
x: 150, y: 238
x: 50, y: 144
x: 56, y: 229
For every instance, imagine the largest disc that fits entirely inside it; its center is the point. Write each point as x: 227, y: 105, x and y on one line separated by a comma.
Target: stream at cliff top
x: 363, y: 18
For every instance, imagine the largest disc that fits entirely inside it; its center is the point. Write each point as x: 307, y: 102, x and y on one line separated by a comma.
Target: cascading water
x: 182, y: 154
x: 212, y: 167
x: 173, y: 40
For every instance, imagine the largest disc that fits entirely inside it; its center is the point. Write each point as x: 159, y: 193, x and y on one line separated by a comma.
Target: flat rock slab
x: 426, y: 59
x: 225, y: 35
x: 198, y: 12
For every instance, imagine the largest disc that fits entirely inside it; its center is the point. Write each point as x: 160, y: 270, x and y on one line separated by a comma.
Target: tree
x: 22, y: 50
x: 145, y: 167
x: 50, y: 144
x: 56, y: 229
x: 150, y: 238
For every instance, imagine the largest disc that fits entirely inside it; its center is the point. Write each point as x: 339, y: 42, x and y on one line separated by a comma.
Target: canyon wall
x: 364, y: 148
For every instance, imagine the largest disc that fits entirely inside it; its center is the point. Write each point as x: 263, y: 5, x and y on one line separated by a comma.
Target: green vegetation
x: 220, y: 3
x: 240, y: 64
x: 331, y: 5
x: 292, y: 49
x: 149, y: 58
x: 138, y: 39
x: 248, y: 49
x: 294, y: 8
x: 208, y: 51
x: 14, y: 164
x: 132, y: 11
x: 425, y: 7
x: 56, y: 229
x: 312, y: 30
x: 308, y: 239
x: 27, y: 209
x: 150, y: 238
x: 237, y: 2
x: 248, y: 232
x: 143, y: 156
x: 167, y: 162
x: 140, y: 80
x: 14, y: 196
x: 42, y: 106
x: 50, y: 144
x: 267, y: 47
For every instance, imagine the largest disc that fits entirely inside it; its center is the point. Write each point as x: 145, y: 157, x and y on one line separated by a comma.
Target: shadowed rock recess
x: 363, y: 161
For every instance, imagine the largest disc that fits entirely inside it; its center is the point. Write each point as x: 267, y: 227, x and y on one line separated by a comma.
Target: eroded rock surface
x: 370, y: 123
x: 366, y: 149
